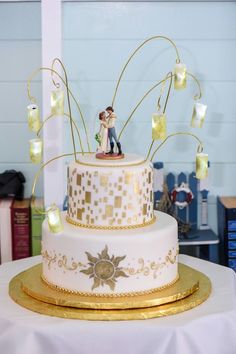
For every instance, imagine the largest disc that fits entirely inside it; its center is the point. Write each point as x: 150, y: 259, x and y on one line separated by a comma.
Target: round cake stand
x: 33, y: 285
x: 93, y: 308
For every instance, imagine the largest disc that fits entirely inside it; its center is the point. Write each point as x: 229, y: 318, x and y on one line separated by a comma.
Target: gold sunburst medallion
x: 104, y: 269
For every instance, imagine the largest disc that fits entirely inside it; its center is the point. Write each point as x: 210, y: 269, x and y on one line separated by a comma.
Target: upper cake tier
x: 110, y: 194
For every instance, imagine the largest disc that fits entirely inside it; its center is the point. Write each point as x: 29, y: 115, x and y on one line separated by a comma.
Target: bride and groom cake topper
x: 107, y: 134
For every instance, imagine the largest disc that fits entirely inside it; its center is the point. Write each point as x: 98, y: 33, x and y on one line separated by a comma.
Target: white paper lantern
x: 180, y: 73
x: 199, y: 113
x: 33, y: 117
x: 54, y: 219
x: 36, y: 150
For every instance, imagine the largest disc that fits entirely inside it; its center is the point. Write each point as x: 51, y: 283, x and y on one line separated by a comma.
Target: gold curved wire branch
x: 68, y: 101
x: 168, y: 76
x: 77, y: 105
x: 165, y: 105
x: 73, y: 122
x: 56, y: 84
x: 33, y: 99
x: 37, y: 175
x: 68, y: 98
x: 133, y: 54
x: 139, y: 103
x: 199, y: 149
x: 199, y: 95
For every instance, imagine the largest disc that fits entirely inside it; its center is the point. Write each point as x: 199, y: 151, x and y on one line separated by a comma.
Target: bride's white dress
x: 104, y: 138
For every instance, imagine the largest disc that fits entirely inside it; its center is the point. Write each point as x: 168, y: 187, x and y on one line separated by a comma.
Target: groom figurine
x: 111, y: 130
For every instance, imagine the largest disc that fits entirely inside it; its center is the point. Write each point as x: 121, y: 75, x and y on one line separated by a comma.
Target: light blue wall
x: 98, y: 38
x: 20, y: 54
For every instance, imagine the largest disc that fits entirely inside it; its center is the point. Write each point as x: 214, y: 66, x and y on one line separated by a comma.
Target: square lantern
x: 57, y: 102
x: 180, y: 73
x: 36, y: 150
x: 201, y: 165
x: 158, y: 126
x: 33, y: 117
x: 54, y: 219
x: 199, y: 113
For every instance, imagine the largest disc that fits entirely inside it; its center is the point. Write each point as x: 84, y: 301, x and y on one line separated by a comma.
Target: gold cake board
x: 28, y: 290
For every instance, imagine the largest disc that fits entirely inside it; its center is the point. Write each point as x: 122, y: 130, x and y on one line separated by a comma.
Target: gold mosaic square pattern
x: 110, y: 196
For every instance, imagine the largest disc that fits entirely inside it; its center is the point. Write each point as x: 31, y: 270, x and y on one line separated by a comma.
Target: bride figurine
x: 102, y: 136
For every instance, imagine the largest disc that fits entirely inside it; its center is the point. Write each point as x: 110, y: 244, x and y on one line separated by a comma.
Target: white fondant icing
x: 129, y: 159
x: 150, y: 256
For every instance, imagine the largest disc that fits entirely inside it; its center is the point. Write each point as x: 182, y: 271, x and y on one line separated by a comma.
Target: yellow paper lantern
x: 199, y: 113
x: 57, y: 102
x: 158, y: 126
x: 180, y: 73
x: 33, y: 117
x: 54, y: 219
x: 201, y: 165
x: 36, y: 150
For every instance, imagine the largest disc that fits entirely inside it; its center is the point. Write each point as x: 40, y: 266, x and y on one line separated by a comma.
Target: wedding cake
x: 113, y: 243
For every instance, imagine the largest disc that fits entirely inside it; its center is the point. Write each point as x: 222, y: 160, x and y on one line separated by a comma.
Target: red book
x: 21, y: 229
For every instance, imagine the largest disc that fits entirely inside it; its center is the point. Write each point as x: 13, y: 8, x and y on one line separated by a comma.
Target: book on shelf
x: 37, y: 217
x: 226, y: 209
x: 5, y: 229
x: 20, y: 218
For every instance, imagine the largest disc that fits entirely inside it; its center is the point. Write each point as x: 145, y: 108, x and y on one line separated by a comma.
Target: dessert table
x: 208, y: 328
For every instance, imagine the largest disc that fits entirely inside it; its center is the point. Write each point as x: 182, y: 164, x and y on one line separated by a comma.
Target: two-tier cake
x: 112, y: 243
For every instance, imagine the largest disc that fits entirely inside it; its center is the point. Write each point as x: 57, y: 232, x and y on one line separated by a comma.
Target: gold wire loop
x: 199, y: 94
x: 139, y: 103
x: 56, y: 84
x: 73, y: 122
x: 77, y: 104
x: 200, y: 149
x: 67, y: 88
x: 68, y: 101
x: 133, y: 54
x: 71, y: 93
x: 168, y: 76
x: 175, y: 134
x: 159, y: 104
x: 37, y: 175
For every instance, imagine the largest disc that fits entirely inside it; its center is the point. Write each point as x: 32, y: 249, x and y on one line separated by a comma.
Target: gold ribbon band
x: 107, y: 295
x: 110, y: 227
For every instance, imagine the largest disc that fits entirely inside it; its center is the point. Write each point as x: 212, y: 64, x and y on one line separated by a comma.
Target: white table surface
x: 208, y: 328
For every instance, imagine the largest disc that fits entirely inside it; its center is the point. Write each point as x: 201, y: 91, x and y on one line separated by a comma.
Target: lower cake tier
x: 111, y: 262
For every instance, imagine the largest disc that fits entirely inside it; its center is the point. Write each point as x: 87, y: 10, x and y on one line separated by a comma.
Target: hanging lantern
x: 158, y: 126
x: 57, y: 102
x: 33, y: 118
x: 180, y: 73
x: 199, y: 113
x: 54, y: 219
x: 36, y: 150
x: 201, y: 165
